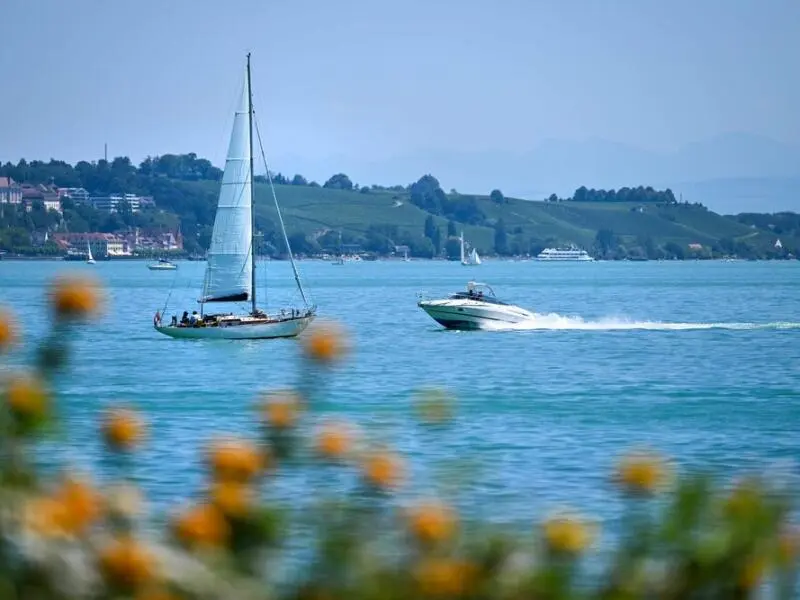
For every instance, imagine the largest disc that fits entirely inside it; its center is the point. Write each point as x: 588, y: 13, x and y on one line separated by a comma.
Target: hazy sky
x: 352, y: 81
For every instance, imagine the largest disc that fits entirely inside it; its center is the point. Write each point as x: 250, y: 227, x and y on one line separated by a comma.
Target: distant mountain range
x: 730, y: 173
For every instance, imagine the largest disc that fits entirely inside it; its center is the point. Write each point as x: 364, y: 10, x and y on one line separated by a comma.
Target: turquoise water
x: 700, y: 360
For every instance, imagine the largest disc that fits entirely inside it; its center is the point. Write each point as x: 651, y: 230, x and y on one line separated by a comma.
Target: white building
x: 112, y: 202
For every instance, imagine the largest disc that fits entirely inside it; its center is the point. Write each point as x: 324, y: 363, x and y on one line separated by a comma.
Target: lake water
x: 698, y: 359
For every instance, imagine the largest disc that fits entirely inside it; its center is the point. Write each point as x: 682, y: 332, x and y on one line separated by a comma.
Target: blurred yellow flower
x: 81, y: 505
x: 281, y: 409
x: 45, y: 516
x: 334, y: 440
x: 26, y: 397
x: 235, y: 459
x: 432, y: 522
x: 641, y: 473
x: 8, y: 330
x: 443, y: 577
x: 233, y: 499
x: 567, y: 534
x: 122, y: 429
x: 68, y: 511
x: 325, y: 343
x: 202, y: 526
x: 383, y: 470
x: 75, y: 297
x: 126, y: 564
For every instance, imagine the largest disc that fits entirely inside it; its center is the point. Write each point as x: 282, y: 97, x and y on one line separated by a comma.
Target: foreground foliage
x: 64, y: 537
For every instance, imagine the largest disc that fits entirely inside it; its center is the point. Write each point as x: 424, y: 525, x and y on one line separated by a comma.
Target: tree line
x: 180, y: 203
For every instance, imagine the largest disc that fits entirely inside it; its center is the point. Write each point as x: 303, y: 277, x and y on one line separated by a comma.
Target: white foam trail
x: 554, y: 321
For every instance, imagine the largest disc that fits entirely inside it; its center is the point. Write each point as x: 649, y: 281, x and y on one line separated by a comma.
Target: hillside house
x: 10, y: 191
x: 47, y: 195
x: 77, y: 195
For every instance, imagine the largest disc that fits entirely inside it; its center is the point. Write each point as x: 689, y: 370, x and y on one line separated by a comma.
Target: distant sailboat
x: 230, y: 271
x: 90, y: 260
x: 470, y: 260
x: 339, y: 260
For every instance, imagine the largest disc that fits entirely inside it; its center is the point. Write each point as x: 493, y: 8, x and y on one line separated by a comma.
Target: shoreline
x: 22, y: 258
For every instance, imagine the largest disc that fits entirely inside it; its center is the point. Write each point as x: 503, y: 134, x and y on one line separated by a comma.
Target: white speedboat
x: 475, y: 308
x: 162, y: 265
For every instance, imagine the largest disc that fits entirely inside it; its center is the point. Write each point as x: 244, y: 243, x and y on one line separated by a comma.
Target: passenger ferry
x: 572, y: 254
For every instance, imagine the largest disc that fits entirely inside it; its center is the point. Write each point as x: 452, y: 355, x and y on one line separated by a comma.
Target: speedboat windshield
x: 478, y: 291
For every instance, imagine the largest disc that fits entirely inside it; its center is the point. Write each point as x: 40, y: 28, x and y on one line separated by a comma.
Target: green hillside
x: 626, y: 223
x: 529, y: 225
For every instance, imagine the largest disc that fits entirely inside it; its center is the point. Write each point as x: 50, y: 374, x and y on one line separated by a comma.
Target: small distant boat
x: 470, y: 260
x: 90, y: 260
x: 162, y: 265
x: 571, y: 253
x: 476, y: 308
x: 339, y: 260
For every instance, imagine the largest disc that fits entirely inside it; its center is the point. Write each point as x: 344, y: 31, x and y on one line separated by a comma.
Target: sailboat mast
x: 252, y: 187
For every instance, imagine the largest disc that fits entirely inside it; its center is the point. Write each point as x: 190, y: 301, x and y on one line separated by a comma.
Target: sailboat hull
x: 256, y: 329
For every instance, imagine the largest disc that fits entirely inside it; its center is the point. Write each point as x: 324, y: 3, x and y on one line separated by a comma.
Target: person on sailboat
x: 185, y: 318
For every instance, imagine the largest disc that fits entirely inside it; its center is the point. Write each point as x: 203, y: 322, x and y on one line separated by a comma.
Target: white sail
x: 230, y: 266
x: 469, y: 259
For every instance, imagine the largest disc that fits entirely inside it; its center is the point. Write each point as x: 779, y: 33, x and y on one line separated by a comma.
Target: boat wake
x: 554, y: 321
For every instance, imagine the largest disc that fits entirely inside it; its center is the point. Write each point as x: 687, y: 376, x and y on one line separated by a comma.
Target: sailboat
x: 469, y: 260
x: 230, y: 274
x: 90, y: 260
x: 339, y: 260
